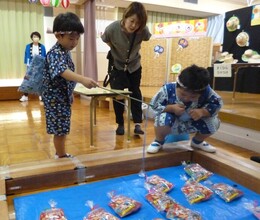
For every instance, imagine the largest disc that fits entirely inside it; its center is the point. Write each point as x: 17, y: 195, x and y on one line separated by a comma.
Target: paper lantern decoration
x: 65, y: 3
x: 33, y: 1
x: 45, y: 3
x: 55, y: 3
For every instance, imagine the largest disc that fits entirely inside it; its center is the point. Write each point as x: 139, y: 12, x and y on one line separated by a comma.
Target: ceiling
x: 204, y: 8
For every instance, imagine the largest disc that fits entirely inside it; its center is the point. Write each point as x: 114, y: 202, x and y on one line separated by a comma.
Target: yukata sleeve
x: 214, y: 103
x: 58, y: 64
x: 159, y: 101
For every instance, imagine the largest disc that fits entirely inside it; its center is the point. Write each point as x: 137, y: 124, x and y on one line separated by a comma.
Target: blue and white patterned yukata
x: 184, y: 124
x: 57, y: 94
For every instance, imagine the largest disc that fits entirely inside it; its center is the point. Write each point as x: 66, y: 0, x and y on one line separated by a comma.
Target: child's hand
x: 89, y: 83
x: 177, y: 109
x: 197, y: 114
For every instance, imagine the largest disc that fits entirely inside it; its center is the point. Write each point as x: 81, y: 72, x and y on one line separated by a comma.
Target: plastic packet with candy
x: 123, y: 205
x: 160, y: 200
x: 53, y: 213
x: 196, y: 192
x: 226, y: 192
x: 254, y: 207
x: 196, y: 172
x: 98, y: 213
x: 179, y: 212
x: 158, y: 184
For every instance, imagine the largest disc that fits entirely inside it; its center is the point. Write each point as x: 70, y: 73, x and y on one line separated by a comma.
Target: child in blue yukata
x: 188, y: 105
x: 59, y: 80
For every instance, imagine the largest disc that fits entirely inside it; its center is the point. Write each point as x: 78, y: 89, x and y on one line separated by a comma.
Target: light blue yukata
x: 184, y: 124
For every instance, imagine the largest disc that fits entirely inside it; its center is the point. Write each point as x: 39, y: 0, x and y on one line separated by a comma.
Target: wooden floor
x: 23, y: 140
x: 23, y: 137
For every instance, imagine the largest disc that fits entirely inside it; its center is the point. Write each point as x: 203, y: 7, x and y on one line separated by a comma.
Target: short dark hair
x: 66, y: 22
x: 138, y: 9
x: 35, y: 33
x: 194, y: 79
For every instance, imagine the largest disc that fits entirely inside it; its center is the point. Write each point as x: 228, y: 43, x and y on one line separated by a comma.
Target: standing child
x: 188, y: 105
x: 59, y: 79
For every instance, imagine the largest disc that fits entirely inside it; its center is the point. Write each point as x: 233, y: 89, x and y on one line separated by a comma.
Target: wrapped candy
x: 253, y: 207
x: 160, y: 201
x: 157, y: 183
x: 196, y: 192
x: 98, y: 213
x: 53, y: 213
x: 181, y: 213
x: 226, y: 192
x: 123, y: 205
x: 197, y: 172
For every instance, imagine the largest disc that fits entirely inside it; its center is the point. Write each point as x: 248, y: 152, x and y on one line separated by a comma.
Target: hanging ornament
x: 33, y: 1
x: 158, y: 50
x: 65, y: 3
x: 45, y: 3
x: 182, y: 43
x: 55, y: 3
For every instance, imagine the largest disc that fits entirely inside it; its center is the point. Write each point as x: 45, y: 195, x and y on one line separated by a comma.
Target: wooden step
x: 33, y: 176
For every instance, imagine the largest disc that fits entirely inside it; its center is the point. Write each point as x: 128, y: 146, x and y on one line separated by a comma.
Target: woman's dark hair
x: 66, y: 22
x: 35, y: 33
x: 194, y: 79
x: 138, y: 9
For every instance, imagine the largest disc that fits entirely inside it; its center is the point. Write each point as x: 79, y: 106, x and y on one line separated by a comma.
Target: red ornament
x: 65, y: 3
x: 45, y: 3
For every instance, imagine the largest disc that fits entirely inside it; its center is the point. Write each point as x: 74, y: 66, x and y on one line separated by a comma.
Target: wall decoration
x: 183, y: 43
x: 158, y: 50
x: 176, y: 68
x: 55, y: 3
x: 242, y: 39
x: 233, y: 24
x: 65, y: 3
x: 250, y: 56
x: 226, y: 57
x: 255, y: 20
x: 230, y: 42
x: 180, y: 28
x: 45, y: 3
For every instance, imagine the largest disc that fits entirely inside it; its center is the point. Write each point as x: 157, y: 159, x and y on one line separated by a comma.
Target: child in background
x: 59, y: 79
x: 32, y: 49
x: 188, y: 105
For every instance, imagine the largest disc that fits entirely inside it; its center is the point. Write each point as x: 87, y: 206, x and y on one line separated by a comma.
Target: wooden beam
x: 53, y: 173
x: 229, y: 165
x: 3, y: 202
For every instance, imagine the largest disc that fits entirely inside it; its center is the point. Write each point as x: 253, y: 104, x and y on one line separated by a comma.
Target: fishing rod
x: 146, y: 105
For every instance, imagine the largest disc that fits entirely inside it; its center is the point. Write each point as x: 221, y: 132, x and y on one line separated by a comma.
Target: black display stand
x: 248, y: 80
